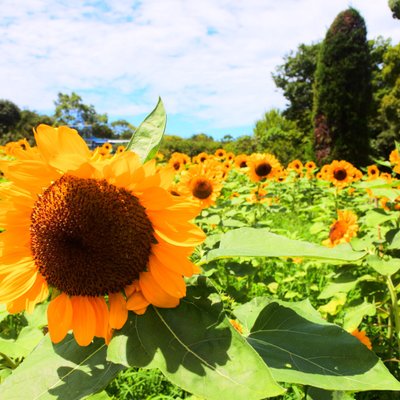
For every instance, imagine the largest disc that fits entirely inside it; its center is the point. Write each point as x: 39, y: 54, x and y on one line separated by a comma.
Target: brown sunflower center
x: 176, y: 165
x: 338, y: 230
x: 243, y: 164
x: 340, y: 174
x: 263, y: 169
x: 89, y: 237
x: 202, y: 189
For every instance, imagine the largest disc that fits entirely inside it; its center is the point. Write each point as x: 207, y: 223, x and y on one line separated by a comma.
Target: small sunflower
x: 120, y: 149
x: 241, y: 161
x: 102, y: 236
x: 200, y: 158
x: 177, y: 162
x: 341, y: 173
x: 297, y: 166
x: 202, y: 183
x: 343, y: 229
x: 220, y: 153
x: 107, y: 147
x: 362, y: 337
x: 373, y: 172
x: 262, y: 166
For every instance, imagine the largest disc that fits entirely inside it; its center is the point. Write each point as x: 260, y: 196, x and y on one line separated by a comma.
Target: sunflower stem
x: 394, y: 310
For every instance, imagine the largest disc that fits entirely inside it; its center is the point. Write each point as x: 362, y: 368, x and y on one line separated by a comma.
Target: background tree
x: 296, y: 79
x: 10, y: 115
x: 245, y: 144
x: 71, y: 111
x: 342, y: 96
x: 123, y: 129
x: 277, y: 135
x: 394, y: 5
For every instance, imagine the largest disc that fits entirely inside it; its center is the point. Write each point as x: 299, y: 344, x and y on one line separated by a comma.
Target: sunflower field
x: 126, y: 275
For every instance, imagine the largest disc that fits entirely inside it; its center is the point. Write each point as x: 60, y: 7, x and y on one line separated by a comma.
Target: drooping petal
x: 102, y: 316
x: 154, y: 294
x: 169, y: 281
x: 137, y: 303
x: 83, y: 320
x: 59, y: 316
x: 118, y: 310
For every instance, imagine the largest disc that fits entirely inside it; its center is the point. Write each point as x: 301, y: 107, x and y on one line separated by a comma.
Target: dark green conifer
x: 342, y: 91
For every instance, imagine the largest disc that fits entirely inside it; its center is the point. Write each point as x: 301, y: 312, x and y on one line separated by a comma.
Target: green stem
x: 395, y: 310
x: 10, y: 363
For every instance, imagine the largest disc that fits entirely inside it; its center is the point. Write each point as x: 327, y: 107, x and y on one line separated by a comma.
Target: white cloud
x: 210, y: 60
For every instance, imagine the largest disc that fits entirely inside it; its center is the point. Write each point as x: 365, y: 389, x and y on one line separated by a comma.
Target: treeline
x: 343, y: 102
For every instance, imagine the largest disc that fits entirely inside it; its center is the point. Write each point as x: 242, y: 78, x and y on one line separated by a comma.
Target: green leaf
x: 300, y: 347
x: 147, y: 137
x: 377, y: 217
x: 3, y: 312
x: 103, y: 395
x: 63, y: 371
x: 354, y: 315
x: 384, y: 267
x: 251, y: 242
x: 196, y: 348
x: 394, y: 240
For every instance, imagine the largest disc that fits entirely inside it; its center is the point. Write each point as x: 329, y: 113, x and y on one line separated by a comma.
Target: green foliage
x: 277, y: 135
x: 343, y: 91
x: 190, y: 146
x: 123, y: 129
x: 71, y: 111
x: 147, y: 138
x: 296, y: 78
x: 394, y: 5
x: 10, y: 115
x: 242, y: 145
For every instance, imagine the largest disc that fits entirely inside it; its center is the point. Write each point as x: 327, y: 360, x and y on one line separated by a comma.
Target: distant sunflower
x: 103, y: 236
x: 373, y: 172
x: 262, y: 166
x: 107, y: 147
x: 220, y: 153
x: 296, y: 165
x: 241, y: 161
x: 343, y: 229
x: 200, y: 158
x: 120, y: 149
x: 177, y: 162
x: 202, y: 183
x: 340, y: 173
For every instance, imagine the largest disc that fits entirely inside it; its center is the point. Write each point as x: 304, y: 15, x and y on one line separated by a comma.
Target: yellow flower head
x: 262, y: 166
x: 343, y: 229
x: 104, y: 236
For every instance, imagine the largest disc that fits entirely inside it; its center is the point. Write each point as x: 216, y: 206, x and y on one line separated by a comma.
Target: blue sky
x: 210, y: 61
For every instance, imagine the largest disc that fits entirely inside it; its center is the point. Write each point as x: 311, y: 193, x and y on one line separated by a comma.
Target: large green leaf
x: 263, y: 243
x: 195, y: 347
x: 147, y: 137
x: 64, y: 371
x: 384, y: 267
x: 300, y: 347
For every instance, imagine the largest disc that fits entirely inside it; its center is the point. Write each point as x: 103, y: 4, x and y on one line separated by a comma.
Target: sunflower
x: 102, y: 236
x: 362, y: 337
x: 220, y: 153
x: 202, y: 183
x: 373, y: 172
x: 262, y: 166
x: 341, y: 173
x: 343, y: 229
x: 120, y: 149
x: 107, y: 147
x: 177, y: 161
x: 296, y: 166
x: 241, y: 161
x: 200, y: 158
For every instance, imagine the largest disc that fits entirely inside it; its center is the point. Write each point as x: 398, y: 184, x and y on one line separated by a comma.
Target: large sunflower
x: 102, y: 236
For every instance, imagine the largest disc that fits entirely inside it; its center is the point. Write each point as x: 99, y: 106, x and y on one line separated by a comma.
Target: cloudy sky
x: 210, y: 60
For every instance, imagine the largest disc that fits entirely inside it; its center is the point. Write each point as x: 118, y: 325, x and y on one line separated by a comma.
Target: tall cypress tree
x: 342, y: 91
